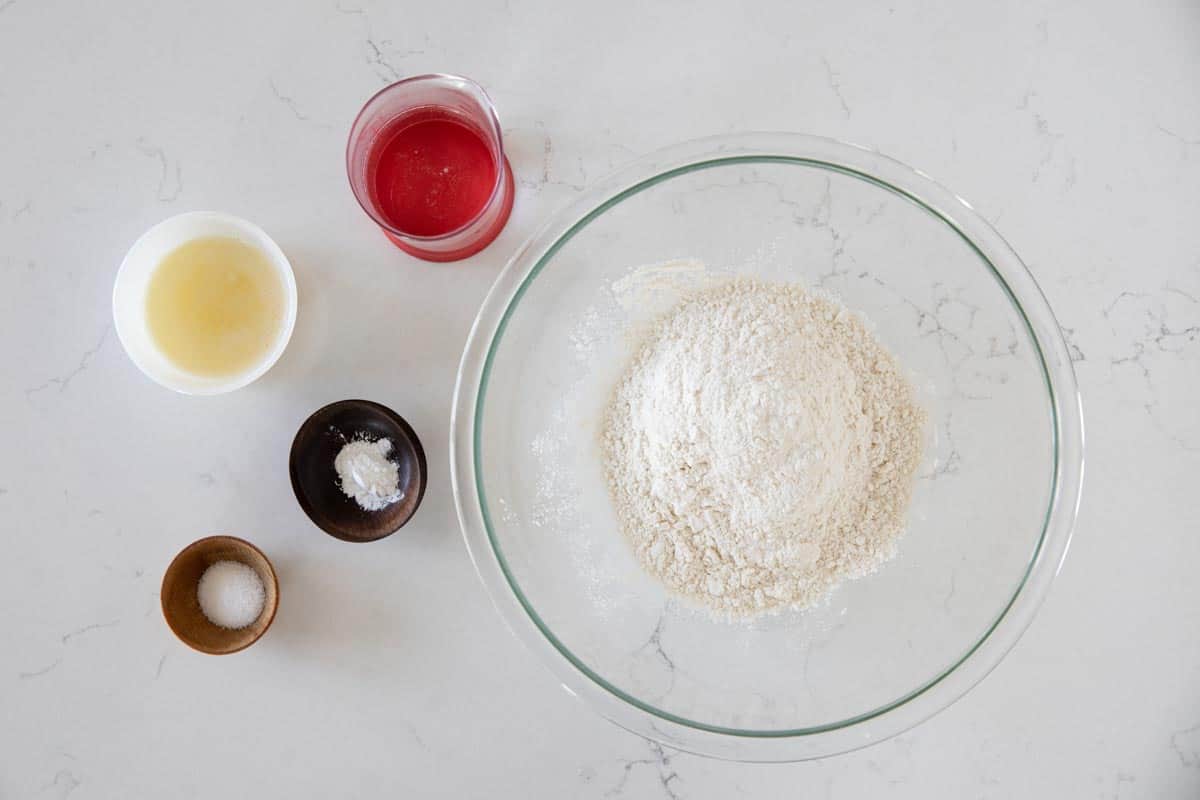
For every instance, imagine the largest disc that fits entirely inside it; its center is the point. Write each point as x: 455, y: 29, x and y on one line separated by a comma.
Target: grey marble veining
x: 1075, y: 128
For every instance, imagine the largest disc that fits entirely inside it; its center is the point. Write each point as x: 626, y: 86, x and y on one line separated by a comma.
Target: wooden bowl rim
x: 269, y: 610
x: 410, y: 434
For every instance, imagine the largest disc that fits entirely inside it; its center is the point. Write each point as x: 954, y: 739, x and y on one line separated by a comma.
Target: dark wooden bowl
x: 181, y: 606
x: 315, y: 480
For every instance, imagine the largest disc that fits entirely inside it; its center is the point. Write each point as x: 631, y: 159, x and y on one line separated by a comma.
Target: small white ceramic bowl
x: 129, y: 298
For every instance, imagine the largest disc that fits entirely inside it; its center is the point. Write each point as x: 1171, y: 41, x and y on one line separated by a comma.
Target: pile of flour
x: 760, y: 448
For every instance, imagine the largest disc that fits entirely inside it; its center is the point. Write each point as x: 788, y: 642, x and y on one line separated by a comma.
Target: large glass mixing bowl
x: 993, y: 503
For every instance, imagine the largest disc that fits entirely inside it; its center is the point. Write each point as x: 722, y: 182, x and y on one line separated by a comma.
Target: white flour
x: 760, y: 448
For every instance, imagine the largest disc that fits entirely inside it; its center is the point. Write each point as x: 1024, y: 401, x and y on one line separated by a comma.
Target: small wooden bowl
x: 181, y: 606
x: 315, y: 480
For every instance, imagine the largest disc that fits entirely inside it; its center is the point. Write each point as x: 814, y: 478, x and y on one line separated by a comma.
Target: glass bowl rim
x: 868, y: 727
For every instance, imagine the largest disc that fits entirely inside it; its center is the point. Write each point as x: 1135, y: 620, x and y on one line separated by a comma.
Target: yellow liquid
x: 214, y: 306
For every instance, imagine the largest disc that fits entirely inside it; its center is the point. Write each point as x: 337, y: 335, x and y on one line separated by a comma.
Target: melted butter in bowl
x: 214, y: 306
x: 204, y: 303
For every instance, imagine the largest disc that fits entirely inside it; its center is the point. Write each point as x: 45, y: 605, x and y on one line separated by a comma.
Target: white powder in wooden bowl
x: 367, y: 475
x: 231, y: 594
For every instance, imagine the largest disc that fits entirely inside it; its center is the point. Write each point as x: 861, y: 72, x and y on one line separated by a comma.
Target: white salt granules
x: 231, y: 594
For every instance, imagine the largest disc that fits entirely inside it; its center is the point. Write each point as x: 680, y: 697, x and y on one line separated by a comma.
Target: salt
x: 231, y: 594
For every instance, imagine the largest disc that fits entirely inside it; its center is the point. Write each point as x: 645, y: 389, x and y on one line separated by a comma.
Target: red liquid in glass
x: 429, y: 174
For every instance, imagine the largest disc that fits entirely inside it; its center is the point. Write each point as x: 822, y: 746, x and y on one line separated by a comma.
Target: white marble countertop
x: 1075, y: 127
